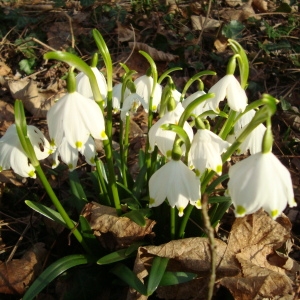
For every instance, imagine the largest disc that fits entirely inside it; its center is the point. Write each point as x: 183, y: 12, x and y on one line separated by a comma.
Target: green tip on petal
x: 92, y: 160
x: 70, y: 166
x: 78, y: 144
x: 198, y: 204
x: 180, y: 211
x: 103, y: 135
x: 240, y: 210
x: 31, y: 174
x: 219, y: 169
x: 1, y: 169
x: 52, y: 143
x: 274, y: 213
x: 151, y: 201
x: 154, y: 107
x: 197, y: 172
x: 169, y: 153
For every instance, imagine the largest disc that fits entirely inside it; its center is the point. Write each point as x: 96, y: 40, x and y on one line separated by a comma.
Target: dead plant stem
x: 212, y: 247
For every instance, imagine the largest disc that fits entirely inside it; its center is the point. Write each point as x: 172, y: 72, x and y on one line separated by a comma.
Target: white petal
x: 89, y: 151
x: 68, y: 154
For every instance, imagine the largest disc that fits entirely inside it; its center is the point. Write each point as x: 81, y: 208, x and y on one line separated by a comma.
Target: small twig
x: 18, y: 243
x: 212, y: 247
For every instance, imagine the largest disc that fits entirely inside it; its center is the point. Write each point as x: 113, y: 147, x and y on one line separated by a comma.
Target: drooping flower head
x: 205, y: 152
x: 164, y: 139
x: 177, y: 183
x: 260, y: 181
x: 12, y: 154
x: 228, y: 87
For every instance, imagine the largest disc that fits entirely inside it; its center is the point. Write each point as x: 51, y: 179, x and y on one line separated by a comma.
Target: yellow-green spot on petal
x: 274, y: 213
x: 219, y: 169
x: 52, y: 143
x: 103, y: 135
x: 197, y: 172
x: 151, y: 201
x: 92, y: 160
x: 1, y: 169
x: 154, y: 107
x: 198, y: 204
x: 70, y: 166
x: 240, y: 210
x: 180, y: 211
x: 169, y: 153
x: 78, y: 145
x: 31, y: 174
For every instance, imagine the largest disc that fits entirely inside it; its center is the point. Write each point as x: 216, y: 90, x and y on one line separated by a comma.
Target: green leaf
x: 285, y: 105
x: 115, y: 256
x: 77, y: 190
x: 219, y: 199
x: 215, y: 183
x: 157, y: 271
x: 27, y: 65
x: 47, y: 212
x: 54, y: 271
x: 233, y: 30
x: 129, y: 277
x: 137, y: 216
x: 173, y: 278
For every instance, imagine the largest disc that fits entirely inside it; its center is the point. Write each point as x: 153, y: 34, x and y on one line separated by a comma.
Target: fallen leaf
x: 4, y: 69
x: 112, y: 231
x: 154, y: 53
x: 17, y: 274
x: 261, y: 5
x: 7, y: 116
x: 198, y: 22
x: 36, y: 102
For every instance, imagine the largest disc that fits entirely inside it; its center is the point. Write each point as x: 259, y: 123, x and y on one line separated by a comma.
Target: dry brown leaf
x: 190, y: 255
x: 112, y: 231
x: 155, y: 54
x: 125, y: 34
x: 234, y: 3
x: 261, y: 5
x: 4, y: 69
x: 6, y: 116
x: 198, y: 22
x: 18, y: 274
x: 220, y: 45
x: 265, y: 273
x: 36, y: 102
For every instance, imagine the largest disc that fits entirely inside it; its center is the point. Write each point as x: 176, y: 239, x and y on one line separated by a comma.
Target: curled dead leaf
x: 154, y: 53
x: 112, y: 231
x: 18, y: 274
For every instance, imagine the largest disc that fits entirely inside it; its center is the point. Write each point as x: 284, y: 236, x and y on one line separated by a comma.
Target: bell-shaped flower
x: 260, y: 181
x: 164, y: 139
x: 228, y: 87
x: 244, y: 120
x: 83, y: 85
x: 117, y: 96
x: 205, y: 152
x: 131, y: 104
x: 177, y: 183
x: 75, y: 117
x: 69, y: 154
x: 13, y: 156
x: 201, y: 108
x: 144, y: 85
x: 253, y: 141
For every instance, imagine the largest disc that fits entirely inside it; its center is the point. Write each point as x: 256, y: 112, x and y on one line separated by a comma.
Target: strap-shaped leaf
x: 129, y: 277
x: 157, y: 271
x: 54, y: 271
x: 114, y: 257
x: 47, y: 212
x: 172, y: 278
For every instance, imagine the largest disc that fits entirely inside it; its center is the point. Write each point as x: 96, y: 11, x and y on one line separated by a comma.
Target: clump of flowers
x: 189, y: 139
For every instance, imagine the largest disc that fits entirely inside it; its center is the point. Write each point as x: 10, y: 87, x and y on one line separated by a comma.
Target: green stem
x: 102, y: 183
x: 185, y: 218
x: 172, y: 222
x: 70, y: 224
x: 228, y: 125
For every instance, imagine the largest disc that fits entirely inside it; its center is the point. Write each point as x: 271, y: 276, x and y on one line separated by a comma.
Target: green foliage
x: 233, y: 30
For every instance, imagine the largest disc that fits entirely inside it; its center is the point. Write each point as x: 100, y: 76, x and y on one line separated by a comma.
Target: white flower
x: 75, y: 117
x: 164, y: 139
x: 201, y: 108
x: 253, y: 142
x: 131, y: 104
x: 13, y: 156
x: 206, y: 150
x: 144, y: 85
x: 228, y: 87
x: 244, y: 120
x: 176, y: 97
x: 83, y: 85
x: 117, y: 95
x: 258, y: 181
x: 176, y: 182
x: 69, y: 154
